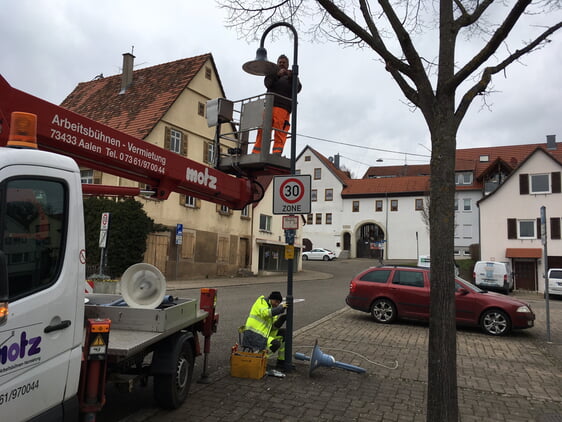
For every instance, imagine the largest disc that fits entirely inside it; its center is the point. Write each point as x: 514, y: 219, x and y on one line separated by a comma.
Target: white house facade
x: 510, y: 225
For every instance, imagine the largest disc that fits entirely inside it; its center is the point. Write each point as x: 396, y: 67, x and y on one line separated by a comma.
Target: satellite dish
x: 143, y: 286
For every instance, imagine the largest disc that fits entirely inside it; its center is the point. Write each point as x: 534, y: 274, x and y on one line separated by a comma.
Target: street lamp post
x: 262, y: 67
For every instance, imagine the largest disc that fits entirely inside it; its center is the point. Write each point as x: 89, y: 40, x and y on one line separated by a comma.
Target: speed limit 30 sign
x: 291, y: 194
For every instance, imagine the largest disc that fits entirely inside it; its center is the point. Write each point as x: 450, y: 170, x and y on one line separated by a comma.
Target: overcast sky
x: 347, y: 98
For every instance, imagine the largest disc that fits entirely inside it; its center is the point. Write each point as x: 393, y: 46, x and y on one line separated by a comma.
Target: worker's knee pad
x: 275, y: 345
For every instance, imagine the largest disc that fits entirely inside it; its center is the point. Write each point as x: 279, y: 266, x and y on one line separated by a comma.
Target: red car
x: 390, y: 292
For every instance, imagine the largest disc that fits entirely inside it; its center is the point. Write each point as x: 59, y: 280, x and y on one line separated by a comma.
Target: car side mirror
x: 462, y: 291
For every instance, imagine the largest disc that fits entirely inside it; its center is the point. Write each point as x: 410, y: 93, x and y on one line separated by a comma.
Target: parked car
x: 555, y: 282
x: 492, y: 275
x: 318, y: 254
x: 392, y: 292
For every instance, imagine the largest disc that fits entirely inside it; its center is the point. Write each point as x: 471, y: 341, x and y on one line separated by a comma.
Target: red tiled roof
x: 405, y: 170
x: 135, y: 112
x: 391, y: 185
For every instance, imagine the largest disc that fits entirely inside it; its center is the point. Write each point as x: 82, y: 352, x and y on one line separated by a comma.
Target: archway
x: 370, y: 244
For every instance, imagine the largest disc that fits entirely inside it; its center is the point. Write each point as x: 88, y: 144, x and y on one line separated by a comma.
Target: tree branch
x: 481, y: 86
x: 491, y: 47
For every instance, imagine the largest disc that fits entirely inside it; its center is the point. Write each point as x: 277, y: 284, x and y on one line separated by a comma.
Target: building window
x: 466, y: 204
x: 526, y: 229
x: 467, y: 231
x: 245, y: 213
x: 201, y: 109
x: 309, y: 218
x: 317, y: 174
x: 540, y: 183
x: 175, y: 141
x: 190, y: 201
x: 208, y: 73
x: 318, y: 218
x: 224, y: 210
x: 378, y: 205
x: 394, y: 205
x: 456, y: 252
x: 463, y: 178
x: 456, y: 206
x: 419, y: 204
x: 328, y: 194
x: 355, y: 206
x: 209, y: 153
x: 313, y: 195
x: 265, y: 223
x: 297, y: 172
x: 87, y: 177
x: 328, y: 218
x: 307, y: 158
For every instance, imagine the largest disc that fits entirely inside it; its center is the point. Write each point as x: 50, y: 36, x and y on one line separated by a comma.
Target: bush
x: 128, y: 230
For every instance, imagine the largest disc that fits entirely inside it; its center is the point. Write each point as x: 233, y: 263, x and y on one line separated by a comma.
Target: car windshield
x: 463, y: 284
x: 555, y: 274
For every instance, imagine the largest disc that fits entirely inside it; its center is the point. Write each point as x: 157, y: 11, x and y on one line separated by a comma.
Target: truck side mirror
x: 3, y: 289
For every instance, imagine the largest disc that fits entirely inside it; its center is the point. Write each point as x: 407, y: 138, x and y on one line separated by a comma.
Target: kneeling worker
x: 263, y: 327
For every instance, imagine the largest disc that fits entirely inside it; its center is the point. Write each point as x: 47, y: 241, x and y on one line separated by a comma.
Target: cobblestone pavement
x: 514, y: 378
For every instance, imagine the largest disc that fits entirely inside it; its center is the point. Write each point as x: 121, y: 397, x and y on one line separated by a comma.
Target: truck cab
x: 42, y: 241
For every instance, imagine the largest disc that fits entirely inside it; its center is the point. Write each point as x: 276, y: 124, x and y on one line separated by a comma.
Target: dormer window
x: 484, y: 158
x: 463, y: 178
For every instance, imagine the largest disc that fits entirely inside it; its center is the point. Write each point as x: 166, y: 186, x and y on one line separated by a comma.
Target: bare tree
x: 430, y: 83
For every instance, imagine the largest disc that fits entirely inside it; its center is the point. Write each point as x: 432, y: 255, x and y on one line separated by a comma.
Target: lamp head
x: 260, y: 66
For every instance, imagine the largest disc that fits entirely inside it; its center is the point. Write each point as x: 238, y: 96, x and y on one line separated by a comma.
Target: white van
x: 492, y: 275
x: 555, y: 281
x: 425, y: 261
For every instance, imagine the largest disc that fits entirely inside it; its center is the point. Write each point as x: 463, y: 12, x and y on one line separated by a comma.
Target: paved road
x: 514, y: 378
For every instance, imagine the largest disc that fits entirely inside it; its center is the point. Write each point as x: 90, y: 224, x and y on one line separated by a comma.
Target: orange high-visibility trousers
x: 279, y: 122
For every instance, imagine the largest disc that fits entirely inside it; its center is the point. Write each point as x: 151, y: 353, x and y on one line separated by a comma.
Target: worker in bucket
x: 280, y: 83
x: 263, y: 327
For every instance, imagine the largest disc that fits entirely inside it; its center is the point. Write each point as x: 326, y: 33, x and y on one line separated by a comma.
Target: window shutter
x: 524, y: 184
x: 555, y: 176
x: 184, y: 144
x: 555, y: 227
x: 205, y: 152
x: 167, y: 138
x: 197, y: 203
x: 97, y: 177
x: 511, y: 228
x: 182, y: 199
x: 538, y: 228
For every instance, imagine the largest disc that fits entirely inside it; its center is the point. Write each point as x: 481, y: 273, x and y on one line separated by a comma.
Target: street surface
x: 322, y: 296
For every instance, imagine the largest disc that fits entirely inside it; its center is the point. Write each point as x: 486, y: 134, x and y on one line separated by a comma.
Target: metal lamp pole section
x: 289, y: 234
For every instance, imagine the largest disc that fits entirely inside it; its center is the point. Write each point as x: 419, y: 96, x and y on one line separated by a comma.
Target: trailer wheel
x: 170, y: 390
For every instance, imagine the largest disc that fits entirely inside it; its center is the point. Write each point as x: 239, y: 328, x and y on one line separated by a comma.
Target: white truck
x: 56, y: 351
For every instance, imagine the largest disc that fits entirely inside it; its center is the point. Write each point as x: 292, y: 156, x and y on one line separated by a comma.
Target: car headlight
x: 523, y: 309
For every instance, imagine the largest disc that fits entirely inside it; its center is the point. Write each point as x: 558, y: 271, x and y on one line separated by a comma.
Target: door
x: 525, y: 275
x: 40, y: 342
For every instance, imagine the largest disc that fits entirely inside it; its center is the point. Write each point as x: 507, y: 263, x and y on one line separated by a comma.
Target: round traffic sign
x: 291, y: 190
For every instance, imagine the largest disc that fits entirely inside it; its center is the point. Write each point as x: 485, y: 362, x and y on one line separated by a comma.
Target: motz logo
x: 202, y: 178
x: 19, y: 349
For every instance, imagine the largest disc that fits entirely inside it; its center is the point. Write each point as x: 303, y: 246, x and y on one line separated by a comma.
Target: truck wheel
x: 170, y: 390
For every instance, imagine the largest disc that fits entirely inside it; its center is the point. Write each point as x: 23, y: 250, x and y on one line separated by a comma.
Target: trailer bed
x: 134, y: 329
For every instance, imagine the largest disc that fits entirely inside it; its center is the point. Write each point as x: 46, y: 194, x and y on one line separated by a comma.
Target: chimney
x: 337, y: 161
x: 127, y: 75
x: 551, y: 142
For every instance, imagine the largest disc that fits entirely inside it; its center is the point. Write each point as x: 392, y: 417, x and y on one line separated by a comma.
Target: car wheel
x: 326, y: 258
x: 495, y: 322
x: 305, y: 258
x: 383, y: 311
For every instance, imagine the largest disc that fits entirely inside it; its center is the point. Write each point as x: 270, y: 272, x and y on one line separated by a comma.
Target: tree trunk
x: 442, y: 404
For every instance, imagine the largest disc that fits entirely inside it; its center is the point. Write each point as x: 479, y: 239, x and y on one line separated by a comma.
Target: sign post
x: 104, y: 231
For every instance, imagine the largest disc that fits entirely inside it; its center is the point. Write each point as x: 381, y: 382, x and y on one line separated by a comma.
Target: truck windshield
x: 33, y: 227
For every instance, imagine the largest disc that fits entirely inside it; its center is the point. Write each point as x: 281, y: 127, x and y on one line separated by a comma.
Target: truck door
x: 40, y: 342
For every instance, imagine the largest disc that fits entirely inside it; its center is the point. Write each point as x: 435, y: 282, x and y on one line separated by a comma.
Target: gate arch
x: 370, y: 244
